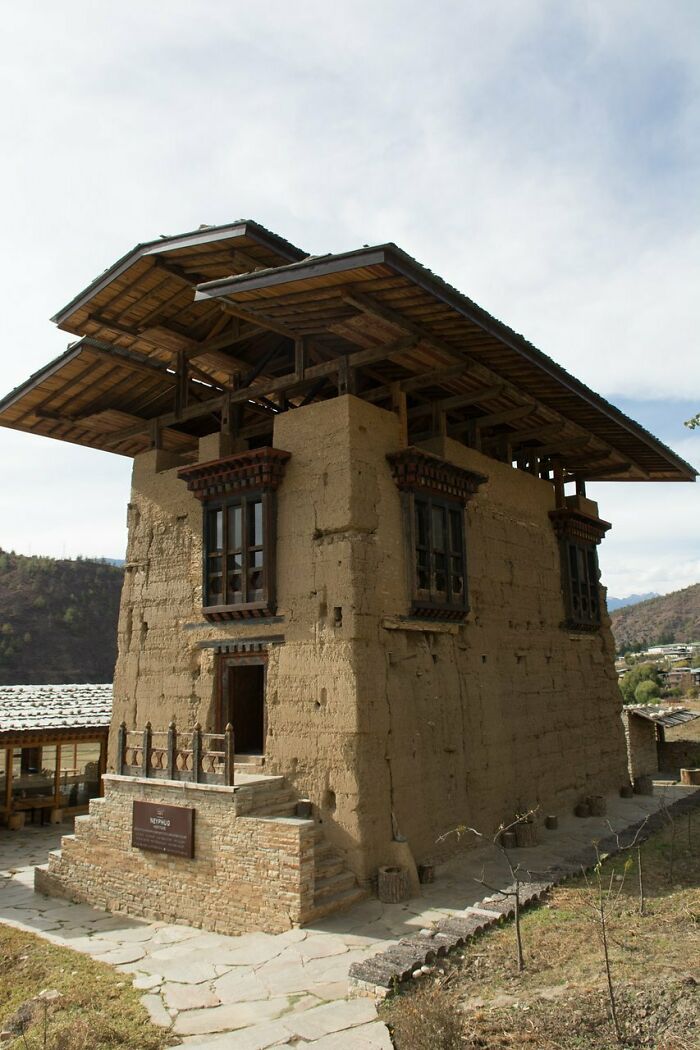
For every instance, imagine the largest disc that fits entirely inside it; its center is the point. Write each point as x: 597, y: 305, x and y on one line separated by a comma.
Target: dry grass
x: 560, y: 1001
x: 98, y: 1009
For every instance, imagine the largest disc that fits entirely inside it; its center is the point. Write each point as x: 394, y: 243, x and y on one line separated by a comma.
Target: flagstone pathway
x: 261, y: 991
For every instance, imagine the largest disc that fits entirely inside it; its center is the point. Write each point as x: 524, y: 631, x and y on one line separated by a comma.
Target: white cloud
x: 543, y: 158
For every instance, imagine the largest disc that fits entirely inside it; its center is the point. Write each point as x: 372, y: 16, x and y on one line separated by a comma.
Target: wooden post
x: 172, y: 750
x: 299, y: 358
x: 8, y: 779
x: 559, y: 484
x: 580, y: 485
x: 196, y: 753
x: 229, y: 756
x: 146, y: 757
x: 398, y: 404
x: 346, y: 377
x: 181, y: 377
x: 103, y: 764
x: 57, y: 777
x: 121, y: 748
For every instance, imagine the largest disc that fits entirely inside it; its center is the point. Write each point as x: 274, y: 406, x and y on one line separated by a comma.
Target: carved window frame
x: 441, y: 488
x: 240, y: 481
x: 579, y: 536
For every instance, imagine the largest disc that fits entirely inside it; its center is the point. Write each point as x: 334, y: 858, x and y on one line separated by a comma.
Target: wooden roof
x: 383, y: 292
x: 229, y: 325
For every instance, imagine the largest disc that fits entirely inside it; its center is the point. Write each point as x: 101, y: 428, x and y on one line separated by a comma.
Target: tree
x: 646, y: 691
x: 693, y: 423
x: 639, y: 673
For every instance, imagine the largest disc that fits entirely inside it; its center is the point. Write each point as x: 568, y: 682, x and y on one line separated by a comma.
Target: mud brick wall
x: 248, y: 873
x: 642, y: 754
x: 379, y: 720
x: 677, y: 754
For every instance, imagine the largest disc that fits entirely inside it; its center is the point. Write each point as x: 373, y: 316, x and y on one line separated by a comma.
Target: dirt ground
x: 561, y: 1001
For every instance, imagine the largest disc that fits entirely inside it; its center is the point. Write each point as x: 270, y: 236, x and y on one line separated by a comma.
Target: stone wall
x: 219, y: 889
x: 642, y: 753
x: 380, y: 720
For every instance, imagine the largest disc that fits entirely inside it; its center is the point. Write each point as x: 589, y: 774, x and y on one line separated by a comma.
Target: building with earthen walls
x: 362, y: 601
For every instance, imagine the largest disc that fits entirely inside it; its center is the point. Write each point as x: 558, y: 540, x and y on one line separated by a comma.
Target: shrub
x: 646, y: 692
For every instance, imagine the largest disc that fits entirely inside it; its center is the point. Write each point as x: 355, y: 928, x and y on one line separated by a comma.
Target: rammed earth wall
x: 368, y: 713
x: 219, y: 889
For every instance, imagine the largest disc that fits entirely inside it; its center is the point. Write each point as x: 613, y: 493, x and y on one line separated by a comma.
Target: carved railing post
x: 229, y: 756
x: 172, y: 750
x: 146, y: 756
x: 196, y: 753
x: 121, y: 748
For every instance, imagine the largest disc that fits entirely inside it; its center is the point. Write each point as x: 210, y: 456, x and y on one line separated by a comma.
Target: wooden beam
x: 366, y: 304
x: 449, y: 404
x: 505, y: 416
x: 558, y: 446
x: 259, y: 319
x: 203, y: 408
x: 532, y: 433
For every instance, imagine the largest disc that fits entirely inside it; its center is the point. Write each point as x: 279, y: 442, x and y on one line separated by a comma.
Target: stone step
x: 339, y: 902
x: 333, y: 884
x: 327, y: 867
x: 284, y: 809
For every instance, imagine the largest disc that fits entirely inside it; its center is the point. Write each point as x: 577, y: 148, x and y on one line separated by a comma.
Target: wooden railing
x: 202, y: 758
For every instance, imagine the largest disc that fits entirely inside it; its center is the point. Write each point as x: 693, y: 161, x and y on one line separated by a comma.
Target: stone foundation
x: 249, y: 872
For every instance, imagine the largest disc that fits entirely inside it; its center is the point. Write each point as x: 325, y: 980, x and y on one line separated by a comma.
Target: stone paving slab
x: 262, y: 991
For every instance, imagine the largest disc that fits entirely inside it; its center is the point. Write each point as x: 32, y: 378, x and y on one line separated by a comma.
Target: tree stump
x: 526, y: 834
x: 551, y: 822
x: 393, y: 885
x: 643, y: 785
x: 597, y: 805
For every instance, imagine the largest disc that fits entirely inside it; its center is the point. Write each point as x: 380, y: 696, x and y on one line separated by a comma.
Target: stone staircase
x: 335, y: 886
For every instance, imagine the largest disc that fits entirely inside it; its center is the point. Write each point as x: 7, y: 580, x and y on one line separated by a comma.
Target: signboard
x: 163, y: 829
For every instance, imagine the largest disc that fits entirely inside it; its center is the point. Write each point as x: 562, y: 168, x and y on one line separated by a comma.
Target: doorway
x: 243, y: 703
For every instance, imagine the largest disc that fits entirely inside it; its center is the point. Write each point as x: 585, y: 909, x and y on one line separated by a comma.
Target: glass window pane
x: 455, y: 531
x: 438, y: 528
x: 421, y: 515
x: 215, y: 525
x: 235, y: 527
x: 255, y: 523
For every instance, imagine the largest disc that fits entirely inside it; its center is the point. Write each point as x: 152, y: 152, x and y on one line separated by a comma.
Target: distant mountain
x: 668, y: 618
x: 58, y: 620
x: 631, y: 599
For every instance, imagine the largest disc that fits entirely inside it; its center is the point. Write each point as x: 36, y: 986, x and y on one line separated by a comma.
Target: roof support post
x: 398, y: 404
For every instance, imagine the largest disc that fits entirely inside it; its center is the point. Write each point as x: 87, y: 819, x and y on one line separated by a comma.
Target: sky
x: 542, y: 157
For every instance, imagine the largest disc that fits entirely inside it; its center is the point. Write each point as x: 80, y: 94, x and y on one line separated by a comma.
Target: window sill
x: 415, y: 623
x: 580, y: 628
x: 252, y: 611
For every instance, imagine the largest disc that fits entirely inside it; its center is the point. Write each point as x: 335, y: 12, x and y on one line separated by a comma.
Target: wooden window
x: 579, y: 534
x: 434, y: 493
x: 439, y: 558
x: 238, y: 495
x: 238, y: 555
x: 580, y: 565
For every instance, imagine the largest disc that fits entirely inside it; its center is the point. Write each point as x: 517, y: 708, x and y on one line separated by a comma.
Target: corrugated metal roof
x: 664, y: 716
x: 27, y: 707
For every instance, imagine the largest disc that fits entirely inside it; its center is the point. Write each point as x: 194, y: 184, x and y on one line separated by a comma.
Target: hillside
x: 671, y: 617
x: 58, y: 620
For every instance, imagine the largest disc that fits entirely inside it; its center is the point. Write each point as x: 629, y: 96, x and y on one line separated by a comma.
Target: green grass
x: 98, y: 1009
